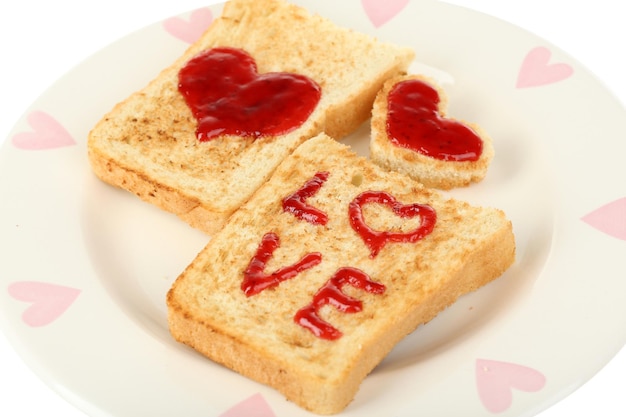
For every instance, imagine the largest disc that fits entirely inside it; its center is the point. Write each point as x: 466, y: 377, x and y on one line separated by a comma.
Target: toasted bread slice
x: 147, y: 144
x: 437, y: 169
x: 264, y: 311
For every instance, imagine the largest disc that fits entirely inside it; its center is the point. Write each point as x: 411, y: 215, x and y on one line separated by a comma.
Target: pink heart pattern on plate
x: 496, y: 380
x: 536, y: 69
x: 189, y: 30
x: 48, y: 301
x: 254, y: 406
x: 381, y: 11
x: 609, y: 219
x: 47, y: 133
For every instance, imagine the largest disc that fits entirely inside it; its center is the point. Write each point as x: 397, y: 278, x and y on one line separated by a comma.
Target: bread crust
x: 430, y: 171
x: 188, y: 208
x: 257, y: 336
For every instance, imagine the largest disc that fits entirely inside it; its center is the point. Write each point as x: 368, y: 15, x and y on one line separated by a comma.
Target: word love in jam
x: 255, y: 280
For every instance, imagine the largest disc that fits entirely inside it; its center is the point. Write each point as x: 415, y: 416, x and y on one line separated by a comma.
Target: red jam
x: 414, y: 122
x: 376, y: 240
x: 227, y: 96
x: 331, y: 293
x: 296, y: 202
x: 256, y: 280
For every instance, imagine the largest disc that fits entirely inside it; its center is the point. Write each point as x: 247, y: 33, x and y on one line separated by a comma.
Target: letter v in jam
x: 256, y: 280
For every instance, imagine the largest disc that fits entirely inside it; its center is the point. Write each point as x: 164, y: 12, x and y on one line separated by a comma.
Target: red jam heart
x: 414, y: 122
x: 227, y: 96
x: 376, y: 240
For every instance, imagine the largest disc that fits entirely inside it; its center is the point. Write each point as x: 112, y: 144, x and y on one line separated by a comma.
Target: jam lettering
x: 256, y: 280
x: 376, y: 240
x: 331, y: 293
x: 296, y: 202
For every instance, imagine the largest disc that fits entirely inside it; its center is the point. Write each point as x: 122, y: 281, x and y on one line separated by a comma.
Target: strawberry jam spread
x: 227, y: 96
x: 375, y: 240
x: 256, y: 280
x: 331, y: 293
x: 414, y: 122
x: 296, y: 202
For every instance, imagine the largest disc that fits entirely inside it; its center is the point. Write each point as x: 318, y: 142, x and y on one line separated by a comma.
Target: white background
x: 42, y: 39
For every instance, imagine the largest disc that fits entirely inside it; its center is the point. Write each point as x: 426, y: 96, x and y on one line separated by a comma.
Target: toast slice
x: 148, y: 143
x: 416, y: 138
x: 331, y: 228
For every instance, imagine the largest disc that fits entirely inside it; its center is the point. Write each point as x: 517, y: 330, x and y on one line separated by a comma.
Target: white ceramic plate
x: 85, y: 267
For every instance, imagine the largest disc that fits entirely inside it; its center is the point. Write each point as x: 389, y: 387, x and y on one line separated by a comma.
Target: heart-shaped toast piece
x: 411, y: 133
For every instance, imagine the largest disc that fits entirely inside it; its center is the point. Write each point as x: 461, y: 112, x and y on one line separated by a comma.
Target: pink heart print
x: 48, y: 301
x: 536, y: 69
x: 382, y: 11
x: 254, y: 406
x: 189, y: 30
x: 47, y: 133
x: 496, y: 380
x: 609, y: 219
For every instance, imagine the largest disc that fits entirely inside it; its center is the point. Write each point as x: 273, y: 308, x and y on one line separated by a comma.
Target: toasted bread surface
x: 147, y: 143
x: 257, y: 335
x: 432, y: 172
